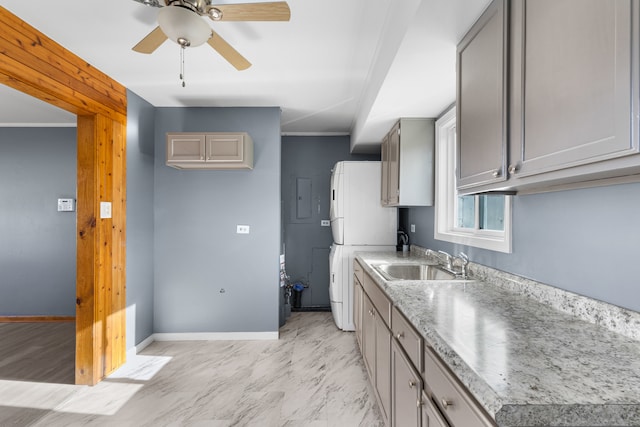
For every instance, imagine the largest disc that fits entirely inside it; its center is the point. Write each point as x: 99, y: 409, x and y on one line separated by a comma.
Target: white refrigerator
x: 358, y: 223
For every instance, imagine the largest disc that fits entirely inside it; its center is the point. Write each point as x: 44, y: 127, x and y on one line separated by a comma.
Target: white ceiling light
x: 183, y: 26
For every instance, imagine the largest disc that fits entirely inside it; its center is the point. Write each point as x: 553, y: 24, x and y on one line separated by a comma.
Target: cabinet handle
x: 400, y: 335
x: 513, y: 169
x: 419, y: 403
x: 496, y: 173
x: 412, y: 383
x: 446, y: 403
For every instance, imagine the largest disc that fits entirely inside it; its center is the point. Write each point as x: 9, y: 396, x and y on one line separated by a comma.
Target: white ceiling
x: 338, y: 67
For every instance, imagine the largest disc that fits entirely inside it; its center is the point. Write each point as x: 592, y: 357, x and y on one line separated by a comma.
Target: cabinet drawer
x: 380, y: 301
x: 430, y: 414
x: 456, y: 403
x: 358, y: 271
x: 409, y: 339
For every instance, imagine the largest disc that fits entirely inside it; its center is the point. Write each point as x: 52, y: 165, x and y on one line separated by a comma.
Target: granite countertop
x: 526, y: 362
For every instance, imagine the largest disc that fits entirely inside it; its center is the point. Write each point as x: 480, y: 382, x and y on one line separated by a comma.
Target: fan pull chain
x: 182, y: 49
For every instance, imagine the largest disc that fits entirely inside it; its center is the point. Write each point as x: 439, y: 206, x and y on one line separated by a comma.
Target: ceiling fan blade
x: 151, y: 42
x: 270, y: 11
x: 228, y: 52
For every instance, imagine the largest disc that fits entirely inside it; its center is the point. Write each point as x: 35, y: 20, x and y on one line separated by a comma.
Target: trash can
x: 297, y: 294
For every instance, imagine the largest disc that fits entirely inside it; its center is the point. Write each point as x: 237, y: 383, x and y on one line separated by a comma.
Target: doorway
x: 34, y: 64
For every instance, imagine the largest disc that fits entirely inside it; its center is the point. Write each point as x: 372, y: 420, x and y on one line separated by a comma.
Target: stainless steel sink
x: 413, y: 272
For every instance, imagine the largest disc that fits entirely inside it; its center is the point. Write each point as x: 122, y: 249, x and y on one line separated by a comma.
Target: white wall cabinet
x: 189, y: 150
x: 572, y: 99
x: 408, y: 163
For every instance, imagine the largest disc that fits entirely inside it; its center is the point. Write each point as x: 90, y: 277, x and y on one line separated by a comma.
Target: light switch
x: 105, y: 210
x: 242, y: 229
x: 413, y: 228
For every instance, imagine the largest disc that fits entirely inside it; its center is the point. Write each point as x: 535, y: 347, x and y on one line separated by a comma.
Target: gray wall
x: 37, y: 243
x: 207, y: 277
x: 140, y: 161
x: 584, y: 241
x: 307, y: 161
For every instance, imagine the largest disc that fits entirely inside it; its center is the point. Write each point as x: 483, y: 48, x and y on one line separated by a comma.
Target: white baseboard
x: 138, y: 348
x: 202, y: 336
x: 216, y: 336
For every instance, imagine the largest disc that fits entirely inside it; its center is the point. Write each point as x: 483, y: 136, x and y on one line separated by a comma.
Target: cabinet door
x: 383, y: 366
x: 185, y: 148
x: 357, y: 310
x: 406, y: 390
x: 571, y: 83
x: 431, y: 417
x: 225, y: 148
x: 384, y: 176
x: 394, y: 165
x: 369, y: 337
x: 482, y: 100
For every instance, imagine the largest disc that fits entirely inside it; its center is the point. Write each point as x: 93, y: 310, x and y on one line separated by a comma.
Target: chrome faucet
x: 448, y: 259
x: 464, y: 262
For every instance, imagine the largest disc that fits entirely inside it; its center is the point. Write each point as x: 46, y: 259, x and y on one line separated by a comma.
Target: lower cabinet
x: 376, y: 342
x: 431, y: 417
x: 383, y: 374
x: 357, y: 309
x: 394, y: 354
x: 406, y: 390
x: 452, y: 398
x: 368, y: 336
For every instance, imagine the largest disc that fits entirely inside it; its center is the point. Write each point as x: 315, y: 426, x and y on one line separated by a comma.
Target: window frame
x: 446, y: 195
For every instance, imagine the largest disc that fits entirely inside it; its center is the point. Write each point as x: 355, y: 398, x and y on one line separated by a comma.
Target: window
x: 483, y: 221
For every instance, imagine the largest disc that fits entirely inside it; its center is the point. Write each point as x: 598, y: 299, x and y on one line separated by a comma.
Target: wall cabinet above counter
x: 407, y: 163
x: 213, y: 150
x: 548, y: 95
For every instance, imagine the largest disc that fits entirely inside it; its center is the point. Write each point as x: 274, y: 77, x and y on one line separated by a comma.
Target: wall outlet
x: 243, y: 229
x: 325, y: 223
x: 413, y: 228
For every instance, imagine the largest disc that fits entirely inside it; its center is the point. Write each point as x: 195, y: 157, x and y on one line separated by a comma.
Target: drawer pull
x: 400, y: 335
x: 412, y: 383
x: 446, y: 403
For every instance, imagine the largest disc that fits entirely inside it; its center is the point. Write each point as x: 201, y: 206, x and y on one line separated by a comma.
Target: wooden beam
x: 35, y: 51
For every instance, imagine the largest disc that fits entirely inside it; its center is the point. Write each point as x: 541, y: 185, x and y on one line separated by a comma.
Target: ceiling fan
x: 181, y: 21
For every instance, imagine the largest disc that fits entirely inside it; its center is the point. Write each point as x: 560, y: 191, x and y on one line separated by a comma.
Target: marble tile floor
x: 312, y: 376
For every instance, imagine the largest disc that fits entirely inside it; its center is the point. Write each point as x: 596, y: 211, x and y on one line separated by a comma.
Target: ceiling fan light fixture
x: 215, y: 13
x: 152, y: 3
x: 183, y: 26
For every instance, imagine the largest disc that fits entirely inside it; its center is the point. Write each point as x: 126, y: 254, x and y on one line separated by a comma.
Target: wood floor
x: 312, y: 376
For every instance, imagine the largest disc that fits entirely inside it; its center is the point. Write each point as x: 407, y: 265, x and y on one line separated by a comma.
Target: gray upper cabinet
x: 573, y: 94
x: 213, y: 150
x: 571, y: 83
x: 482, y: 100
x: 408, y: 163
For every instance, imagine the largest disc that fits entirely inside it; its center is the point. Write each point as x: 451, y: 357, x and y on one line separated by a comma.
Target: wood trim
x: 36, y: 65
x: 23, y: 45
x: 34, y: 319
